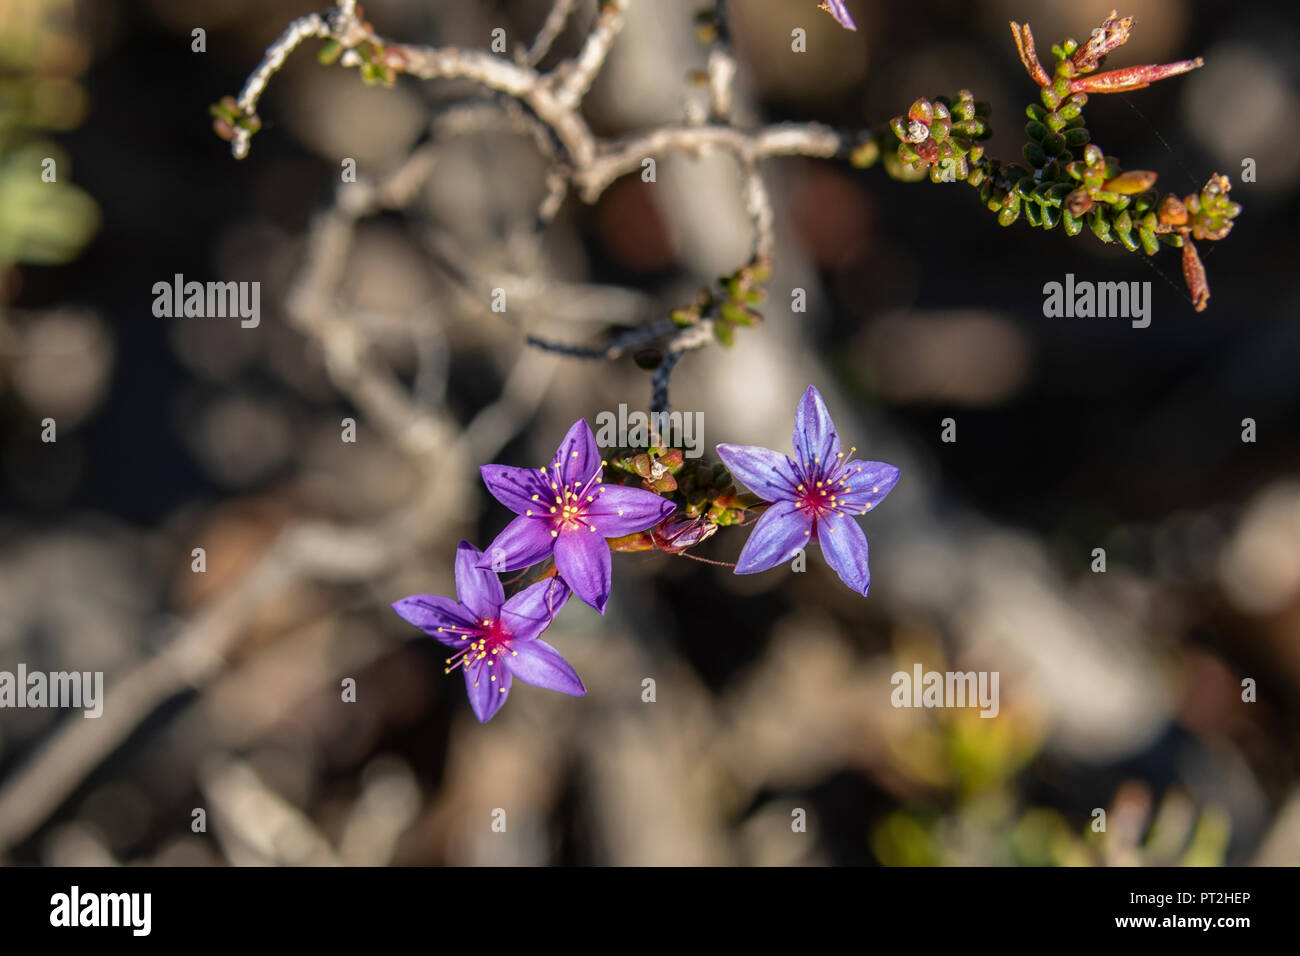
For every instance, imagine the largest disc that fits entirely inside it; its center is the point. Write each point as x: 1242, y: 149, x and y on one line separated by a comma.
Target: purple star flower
x: 567, y: 512
x: 494, y: 639
x: 815, y: 495
x: 839, y: 11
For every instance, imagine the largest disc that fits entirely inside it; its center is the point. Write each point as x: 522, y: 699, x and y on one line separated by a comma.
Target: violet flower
x: 567, y: 512
x: 816, y: 495
x: 839, y: 11
x: 495, y: 640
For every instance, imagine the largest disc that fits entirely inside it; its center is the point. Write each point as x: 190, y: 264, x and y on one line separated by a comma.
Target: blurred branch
x: 722, y: 65
x: 549, y: 33
x: 551, y: 104
x: 309, y: 549
x: 575, y: 77
x: 254, y: 824
x: 619, y: 157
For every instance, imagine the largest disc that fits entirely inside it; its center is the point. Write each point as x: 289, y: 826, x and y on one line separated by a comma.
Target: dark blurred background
x: 1120, y: 690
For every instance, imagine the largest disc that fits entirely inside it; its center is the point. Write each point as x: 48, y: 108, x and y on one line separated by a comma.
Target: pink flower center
x: 569, y: 512
x: 488, y: 640
x: 825, y: 486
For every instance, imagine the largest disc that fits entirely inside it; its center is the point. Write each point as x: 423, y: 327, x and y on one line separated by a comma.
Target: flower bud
x: 1078, y: 202
x: 1131, y: 182
x: 1172, y: 211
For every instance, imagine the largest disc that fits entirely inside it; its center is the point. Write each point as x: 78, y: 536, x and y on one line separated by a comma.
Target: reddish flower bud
x: 675, y: 535
x: 1130, y: 183
x: 1078, y: 202
x: 1194, y: 276
x: 1172, y: 211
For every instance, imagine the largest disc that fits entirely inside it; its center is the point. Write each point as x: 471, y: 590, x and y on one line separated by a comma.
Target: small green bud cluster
x: 730, y: 305
x: 227, y: 116
x: 944, y: 136
x: 704, y: 490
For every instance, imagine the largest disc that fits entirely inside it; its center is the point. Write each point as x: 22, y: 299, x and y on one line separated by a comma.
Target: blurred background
x: 1119, y: 690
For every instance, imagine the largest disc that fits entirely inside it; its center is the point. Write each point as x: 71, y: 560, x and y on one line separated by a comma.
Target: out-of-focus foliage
x: 41, y: 58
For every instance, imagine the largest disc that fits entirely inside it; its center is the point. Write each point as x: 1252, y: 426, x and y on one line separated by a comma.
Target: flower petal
x: 840, y: 12
x: 532, y: 610
x: 768, y: 474
x: 479, y: 589
x: 815, y: 438
x: 869, y: 483
x: 578, y: 455
x: 523, y: 542
x: 485, y: 694
x: 845, y: 549
x: 619, y: 510
x: 539, y: 664
x: 515, y: 487
x: 781, y: 532
x: 432, y: 612
x: 582, y: 558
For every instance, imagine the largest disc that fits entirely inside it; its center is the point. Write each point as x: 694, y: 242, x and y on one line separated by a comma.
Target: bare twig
x: 549, y: 33
x: 575, y: 76
x: 620, y: 157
